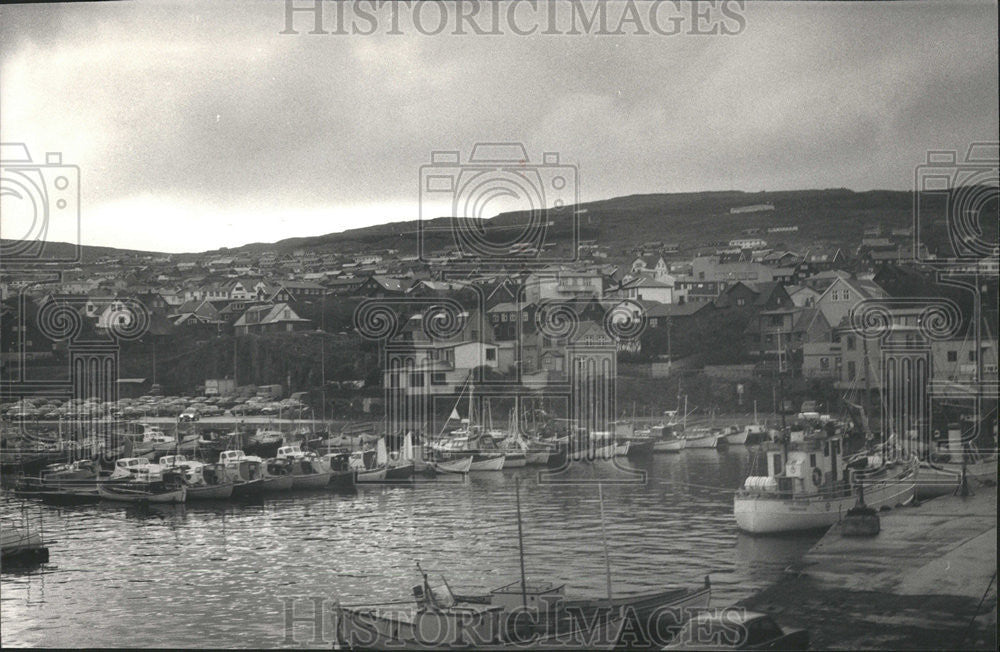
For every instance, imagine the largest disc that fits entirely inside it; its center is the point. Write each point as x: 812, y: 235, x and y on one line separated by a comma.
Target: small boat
x: 461, y: 465
x: 341, y: 473
x: 700, y: 437
x: 735, y: 436
x: 21, y: 545
x: 439, y: 621
x: 639, y: 448
x: 203, y: 481
x: 277, y: 475
x: 149, y: 484
x: 246, y: 472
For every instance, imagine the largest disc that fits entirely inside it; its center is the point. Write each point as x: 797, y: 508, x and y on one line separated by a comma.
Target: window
x: 847, y: 295
x: 852, y: 371
x: 851, y: 343
x: 952, y: 356
x: 812, y: 460
x: 491, y: 355
x: 835, y: 296
x: 437, y: 378
x: 972, y: 356
x: 776, y: 461
x: 524, y: 316
x: 394, y: 380
x: 824, y: 363
x: 417, y: 379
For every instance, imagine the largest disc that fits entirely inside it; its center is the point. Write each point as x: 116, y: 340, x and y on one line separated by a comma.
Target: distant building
x: 278, y: 318
x: 748, y: 243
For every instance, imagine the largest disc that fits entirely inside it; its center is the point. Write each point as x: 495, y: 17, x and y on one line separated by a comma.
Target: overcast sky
x: 199, y: 125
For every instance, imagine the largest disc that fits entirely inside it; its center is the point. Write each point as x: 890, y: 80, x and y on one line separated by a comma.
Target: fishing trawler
x: 808, y: 486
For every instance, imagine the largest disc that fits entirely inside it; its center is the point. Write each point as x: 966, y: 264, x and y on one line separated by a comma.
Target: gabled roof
x: 269, y: 314
x: 657, y: 309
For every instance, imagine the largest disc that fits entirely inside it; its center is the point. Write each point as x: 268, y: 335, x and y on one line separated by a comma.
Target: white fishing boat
x: 701, y: 437
x: 808, y: 486
x: 514, y: 459
x: 669, y: 444
x: 267, y: 437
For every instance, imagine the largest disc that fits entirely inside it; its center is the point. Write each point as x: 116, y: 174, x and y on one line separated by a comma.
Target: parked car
x: 737, y: 629
x: 189, y: 415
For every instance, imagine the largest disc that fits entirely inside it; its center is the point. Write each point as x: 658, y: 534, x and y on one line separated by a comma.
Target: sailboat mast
x: 520, y: 541
x: 604, y: 538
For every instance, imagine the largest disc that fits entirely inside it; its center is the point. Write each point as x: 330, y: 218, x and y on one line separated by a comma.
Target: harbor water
x: 235, y: 574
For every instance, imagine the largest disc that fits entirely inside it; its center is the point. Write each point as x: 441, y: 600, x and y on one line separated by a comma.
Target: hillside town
x: 735, y: 311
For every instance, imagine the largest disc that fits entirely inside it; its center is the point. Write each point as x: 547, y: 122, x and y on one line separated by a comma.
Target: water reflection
x: 215, y: 574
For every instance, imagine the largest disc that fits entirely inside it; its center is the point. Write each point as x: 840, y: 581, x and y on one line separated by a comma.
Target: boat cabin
x: 804, y: 465
x: 292, y: 451
x: 536, y: 596
x: 172, y: 460
x: 231, y: 457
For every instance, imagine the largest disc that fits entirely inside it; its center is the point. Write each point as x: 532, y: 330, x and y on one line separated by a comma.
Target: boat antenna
x: 520, y: 541
x: 604, y: 539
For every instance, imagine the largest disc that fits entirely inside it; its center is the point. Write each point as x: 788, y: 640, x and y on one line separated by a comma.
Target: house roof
x: 657, y: 309
x: 269, y: 314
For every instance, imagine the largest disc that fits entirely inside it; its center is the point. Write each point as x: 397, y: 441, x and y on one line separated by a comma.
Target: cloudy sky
x: 199, y: 125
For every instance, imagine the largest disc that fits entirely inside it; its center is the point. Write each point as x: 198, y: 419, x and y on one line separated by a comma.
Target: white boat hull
x: 669, y: 446
x: 707, y: 441
x: 126, y: 496
x: 760, y: 514
x: 621, y: 450
x: 453, y: 466
x: 737, y: 438
x: 487, y: 464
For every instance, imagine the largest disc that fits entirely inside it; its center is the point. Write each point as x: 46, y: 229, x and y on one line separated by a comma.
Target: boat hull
x: 210, y: 492
x: 708, y: 441
x: 737, y: 438
x: 536, y: 458
x: 248, y: 489
x: 487, y: 463
x: 374, y: 475
x: 125, y: 494
x: 400, y: 471
x: 640, y: 448
x: 763, y: 515
x: 275, y: 483
x: 453, y: 466
x: 342, y: 480
x: 311, y: 480
x: 669, y: 446
x: 514, y: 460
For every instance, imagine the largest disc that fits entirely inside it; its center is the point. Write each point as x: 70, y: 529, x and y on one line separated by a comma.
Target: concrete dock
x: 918, y: 585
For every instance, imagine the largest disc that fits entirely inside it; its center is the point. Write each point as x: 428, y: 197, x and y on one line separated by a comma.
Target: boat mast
x: 604, y: 539
x: 520, y: 541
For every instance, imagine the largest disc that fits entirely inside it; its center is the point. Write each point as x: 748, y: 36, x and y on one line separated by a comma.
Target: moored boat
x: 245, y: 471
x: 203, y: 481
x: 808, y: 486
x: 461, y: 465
